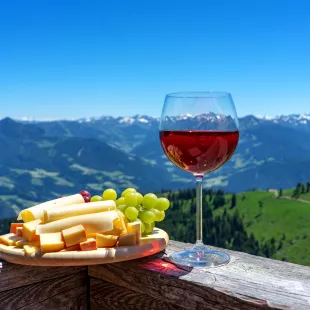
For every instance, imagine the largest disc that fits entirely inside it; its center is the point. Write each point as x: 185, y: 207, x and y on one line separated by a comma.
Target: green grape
x: 149, y: 201
x: 122, y: 208
x: 128, y: 190
x: 120, y: 201
x: 147, y: 216
x: 161, y: 216
x: 142, y: 225
x: 131, y: 199
x: 157, y: 214
x: 162, y: 204
x: 149, y: 228
x: 131, y: 213
x: 109, y: 194
x: 140, y: 198
x: 96, y: 198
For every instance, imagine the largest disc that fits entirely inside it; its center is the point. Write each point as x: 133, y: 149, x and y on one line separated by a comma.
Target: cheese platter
x: 83, y: 230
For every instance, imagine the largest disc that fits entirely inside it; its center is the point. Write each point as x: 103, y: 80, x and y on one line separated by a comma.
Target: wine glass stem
x: 199, y: 179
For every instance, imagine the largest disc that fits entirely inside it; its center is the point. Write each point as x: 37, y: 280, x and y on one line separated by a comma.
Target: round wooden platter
x: 150, y: 244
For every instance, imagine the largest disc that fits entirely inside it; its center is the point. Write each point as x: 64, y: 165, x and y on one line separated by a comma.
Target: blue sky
x: 69, y: 59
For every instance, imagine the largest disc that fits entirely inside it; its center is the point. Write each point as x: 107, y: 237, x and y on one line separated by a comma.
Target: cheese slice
x: 88, y: 245
x: 117, y: 229
x: 58, y: 213
x: 20, y: 243
x: 128, y: 239
x: 19, y: 231
x: 75, y: 247
x: 135, y: 227
x: 120, y: 222
x: 31, y: 249
x: 14, y: 227
x: 74, y: 235
x: 36, y: 212
x: 10, y: 239
x: 106, y: 241
x: 30, y: 230
x: 51, y: 242
x: 94, y: 222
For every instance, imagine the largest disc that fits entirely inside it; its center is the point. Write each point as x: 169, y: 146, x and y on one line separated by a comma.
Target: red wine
x: 199, y: 151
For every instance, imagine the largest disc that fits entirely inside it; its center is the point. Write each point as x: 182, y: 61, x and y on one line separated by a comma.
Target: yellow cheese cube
x: 19, y: 231
x: 89, y: 245
x: 31, y: 249
x: 135, y: 227
x: 29, y: 231
x: 105, y: 241
x: 51, y: 242
x: 10, y: 239
x: 117, y: 229
x: 75, y: 247
x: 74, y: 235
x: 20, y: 243
x: 127, y: 239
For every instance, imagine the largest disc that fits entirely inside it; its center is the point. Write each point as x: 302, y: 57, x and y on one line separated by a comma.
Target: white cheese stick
x: 36, y: 212
x: 62, y: 212
x: 92, y: 223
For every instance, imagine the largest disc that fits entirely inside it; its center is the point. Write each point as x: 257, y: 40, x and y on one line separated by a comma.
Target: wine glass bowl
x: 199, y: 132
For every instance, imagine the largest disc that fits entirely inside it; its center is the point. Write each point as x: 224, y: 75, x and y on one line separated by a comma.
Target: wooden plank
x: 74, y: 299
x: 13, y: 275
x: 38, y: 293
x: 247, y: 282
x: 105, y: 295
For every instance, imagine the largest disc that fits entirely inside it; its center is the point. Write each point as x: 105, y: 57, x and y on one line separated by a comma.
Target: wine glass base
x: 199, y: 257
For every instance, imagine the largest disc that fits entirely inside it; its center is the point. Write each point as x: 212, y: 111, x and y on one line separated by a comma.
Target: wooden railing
x: 247, y: 282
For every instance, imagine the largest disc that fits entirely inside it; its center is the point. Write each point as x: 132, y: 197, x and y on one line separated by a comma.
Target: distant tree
x: 308, y: 187
x: 233, y: 201
x: 302, y: 189
x: 297, y: 190
x: 280, y: 192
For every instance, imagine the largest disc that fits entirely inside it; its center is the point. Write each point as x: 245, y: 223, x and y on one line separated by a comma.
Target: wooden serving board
x: 150, y: 244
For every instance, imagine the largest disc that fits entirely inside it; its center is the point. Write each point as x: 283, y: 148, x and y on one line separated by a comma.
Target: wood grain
x: 247, y: 282
x: 13, y: 276
x: 30, y: 295
x: 105, y: 295
x: 150, y: 244
x: 75, y: 299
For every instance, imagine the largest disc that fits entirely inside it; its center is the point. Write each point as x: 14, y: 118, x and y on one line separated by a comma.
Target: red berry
x: 85, y: 193
x: 86, y: 198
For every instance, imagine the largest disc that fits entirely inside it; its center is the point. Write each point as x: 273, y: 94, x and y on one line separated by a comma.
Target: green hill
x: 267, y: 216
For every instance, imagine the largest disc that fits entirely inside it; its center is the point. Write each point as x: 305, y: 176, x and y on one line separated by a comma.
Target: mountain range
x: 40, y: 160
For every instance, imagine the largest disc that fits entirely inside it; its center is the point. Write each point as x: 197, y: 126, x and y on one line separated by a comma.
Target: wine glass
x: 199, y: 132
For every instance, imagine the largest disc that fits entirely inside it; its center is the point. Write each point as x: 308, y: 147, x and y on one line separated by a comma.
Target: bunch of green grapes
x: 146, y: 209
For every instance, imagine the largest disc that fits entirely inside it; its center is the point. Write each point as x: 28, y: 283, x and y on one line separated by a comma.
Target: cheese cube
x: 105, y: 241
x: 88, y: 245
x: 51, y: 242
x: 127, y: 239
x: 31, y: 249
x: 20, y: 243
x: 74, y: 235
x: 30, y: 230
x: 117, y: 229
x: 120, y: 222
x: 14, y: 226
x: 19, y: 231
x: 9, y: 239
x: 135, y: 227
x: 75, y: 247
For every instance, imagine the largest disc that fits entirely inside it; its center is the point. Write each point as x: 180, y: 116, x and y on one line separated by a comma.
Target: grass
x: 274, y: 218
